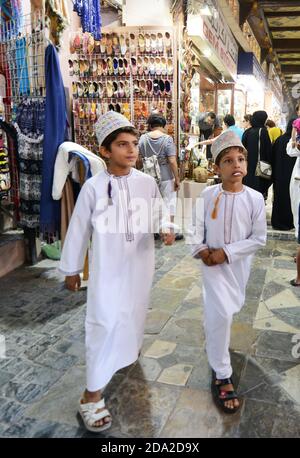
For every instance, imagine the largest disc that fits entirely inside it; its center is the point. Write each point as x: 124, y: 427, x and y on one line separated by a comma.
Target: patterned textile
x: 108, y: 123
x: 90, y: 14
x: 12, y: 143
x: 30, y: 128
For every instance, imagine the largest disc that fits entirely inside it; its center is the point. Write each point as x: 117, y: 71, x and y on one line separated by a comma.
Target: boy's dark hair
x: 112, y: 137
x: 298, y: 106
x: 225, y: 151
x: 248, y: 118
x: 212, y: 115
x: 229, y: 120
x: 156, y: 120
x: 270, y: 123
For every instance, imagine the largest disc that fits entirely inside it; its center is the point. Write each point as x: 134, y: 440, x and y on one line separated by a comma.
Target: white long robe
x: 121, y: 269
x: 240, y: 229
x: 294, y: 185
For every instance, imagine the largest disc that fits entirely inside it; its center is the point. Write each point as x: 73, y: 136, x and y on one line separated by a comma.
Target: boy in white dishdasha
x: 121, y: 261
x: 228, y: 227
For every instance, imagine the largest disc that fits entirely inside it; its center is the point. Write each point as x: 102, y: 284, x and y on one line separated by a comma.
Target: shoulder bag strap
x: 259, y: 141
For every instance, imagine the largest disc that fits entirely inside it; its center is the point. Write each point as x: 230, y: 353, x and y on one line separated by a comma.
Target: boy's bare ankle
x: 91, y: 396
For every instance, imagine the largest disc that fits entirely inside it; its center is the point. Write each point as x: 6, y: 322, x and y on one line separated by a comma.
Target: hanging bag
x: 151, y: 163
x: 263, y: 168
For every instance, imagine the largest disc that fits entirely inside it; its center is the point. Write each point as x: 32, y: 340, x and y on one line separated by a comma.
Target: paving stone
x: 156, y: 320
x: 11, y: 412
x: 176, y: 375
x: 57, y: 360
x: 195, y: 415
x: 264, y: 415
x: 146, y: 369
x: 160, y: 348
x: 273, y: 344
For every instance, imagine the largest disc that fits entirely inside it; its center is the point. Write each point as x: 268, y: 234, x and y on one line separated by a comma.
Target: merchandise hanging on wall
x: 130, y: 71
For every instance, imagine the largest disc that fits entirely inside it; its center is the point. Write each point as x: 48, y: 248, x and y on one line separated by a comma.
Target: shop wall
x: 153, y: 12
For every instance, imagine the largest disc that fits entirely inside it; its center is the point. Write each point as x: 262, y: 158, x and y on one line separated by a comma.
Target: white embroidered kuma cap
x: 227, y: 139
x: 108, y: 123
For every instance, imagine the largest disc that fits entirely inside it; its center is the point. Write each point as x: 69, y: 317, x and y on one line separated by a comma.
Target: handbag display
x: 263, y: 168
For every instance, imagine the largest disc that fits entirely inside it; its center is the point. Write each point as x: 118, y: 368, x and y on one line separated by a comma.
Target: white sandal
x: 89, y: 415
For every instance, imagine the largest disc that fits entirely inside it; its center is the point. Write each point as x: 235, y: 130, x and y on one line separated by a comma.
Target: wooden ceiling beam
x: 285, y: 45
x: 280, y: 14
x: 290, y: 69
x: 285, y: 29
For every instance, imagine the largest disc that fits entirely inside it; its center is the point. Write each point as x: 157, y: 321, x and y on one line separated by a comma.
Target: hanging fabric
x: 29, y: 125
x: 54, y: 135
x: 90, y: 14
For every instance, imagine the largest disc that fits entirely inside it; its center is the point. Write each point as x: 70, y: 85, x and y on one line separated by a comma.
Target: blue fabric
x: 237, y: 130
x: 54, y: 135
x: 22, y: 68
x: 90, y: 14
x: 86, y: 163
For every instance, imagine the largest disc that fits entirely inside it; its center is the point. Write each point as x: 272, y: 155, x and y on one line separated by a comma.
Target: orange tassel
x: 214, y: 213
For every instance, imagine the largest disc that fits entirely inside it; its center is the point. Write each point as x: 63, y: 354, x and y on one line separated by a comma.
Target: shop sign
x: 216, y: 31
x: 248, y: 65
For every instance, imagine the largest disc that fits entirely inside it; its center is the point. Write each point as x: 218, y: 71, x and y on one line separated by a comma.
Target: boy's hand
x: 204, y: 255
x: 177, y: 184
x: 217, y: 257
x: 168, y: 238
x: 73, y: 282
x: 293, y: 144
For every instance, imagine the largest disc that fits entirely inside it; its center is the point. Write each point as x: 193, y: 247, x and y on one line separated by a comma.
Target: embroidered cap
x: 108, y: 123
x: 226, y: 140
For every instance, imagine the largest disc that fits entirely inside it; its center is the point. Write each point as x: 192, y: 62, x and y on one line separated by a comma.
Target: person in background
x: 229, y: 124
x: 252, y: 138
x: 247, y: 121
x: 207, y: 123
x: 157, y: 142
x: 282, y: 169
x: 274, y: 132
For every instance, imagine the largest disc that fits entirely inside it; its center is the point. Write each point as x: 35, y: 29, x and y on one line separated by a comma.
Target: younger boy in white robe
x: 121, y: 260
x: 229, y: 225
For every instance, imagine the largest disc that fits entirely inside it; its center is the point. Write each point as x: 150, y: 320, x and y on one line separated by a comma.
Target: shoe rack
x: 131, y: 70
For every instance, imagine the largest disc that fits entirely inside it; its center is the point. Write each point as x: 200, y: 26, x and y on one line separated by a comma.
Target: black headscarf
x: 289, y: 127
x: 259, y: 118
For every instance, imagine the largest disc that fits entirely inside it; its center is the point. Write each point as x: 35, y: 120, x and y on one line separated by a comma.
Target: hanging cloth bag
x: 263, y: 168
x: 151, y: 163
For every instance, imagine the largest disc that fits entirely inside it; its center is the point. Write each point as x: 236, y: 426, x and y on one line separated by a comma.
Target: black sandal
x: 221, y: 396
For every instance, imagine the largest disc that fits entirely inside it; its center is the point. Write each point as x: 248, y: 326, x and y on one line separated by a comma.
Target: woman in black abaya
x: 282, y: 167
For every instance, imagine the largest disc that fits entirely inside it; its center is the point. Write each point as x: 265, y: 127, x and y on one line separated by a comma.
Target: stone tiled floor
x: 166, y: 393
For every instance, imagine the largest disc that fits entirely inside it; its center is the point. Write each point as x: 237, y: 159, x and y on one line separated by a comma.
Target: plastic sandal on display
x: 149, y: 86
x: 146, y: 65
x: 161, y: 87
x: 152, y: 66
x: 110, y: 66
x: 127, y: 67
x: 116, y: 66
x: 94, y: 68
x: 121, y: 67
x: 140, y: 69
x: 93, y: 412
x: 160, y: 44
x: 111, y: 107
x: 141, y: 40
x: 121, y: 92
x: 118, y: 108
x: 85, y: 42
x: 91, y: 45
x: 115, y: 89
x: 136, y: 86
x: 103, y: 44
x: 91, y: 90
x: 168, y: 88
x: 123, y: 45
x: 96, y: 89
x: 109, y: 89
x: 71, y: 69
x: 109, y: 45
x: 127, y: 88
x: 168, y: 42
x: 170, y: 66
x: 153, y: 43
x: 132, y: 44
x: 102, y: 90
x: 116, y: 44
x: 143, y: 88
x: 97, y: 48
x: 156, y: 87
x: 74, y: 89
x: 104, y: 67
x: 148, y: 42
x: 79, y: 89
x: 133, y: 66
